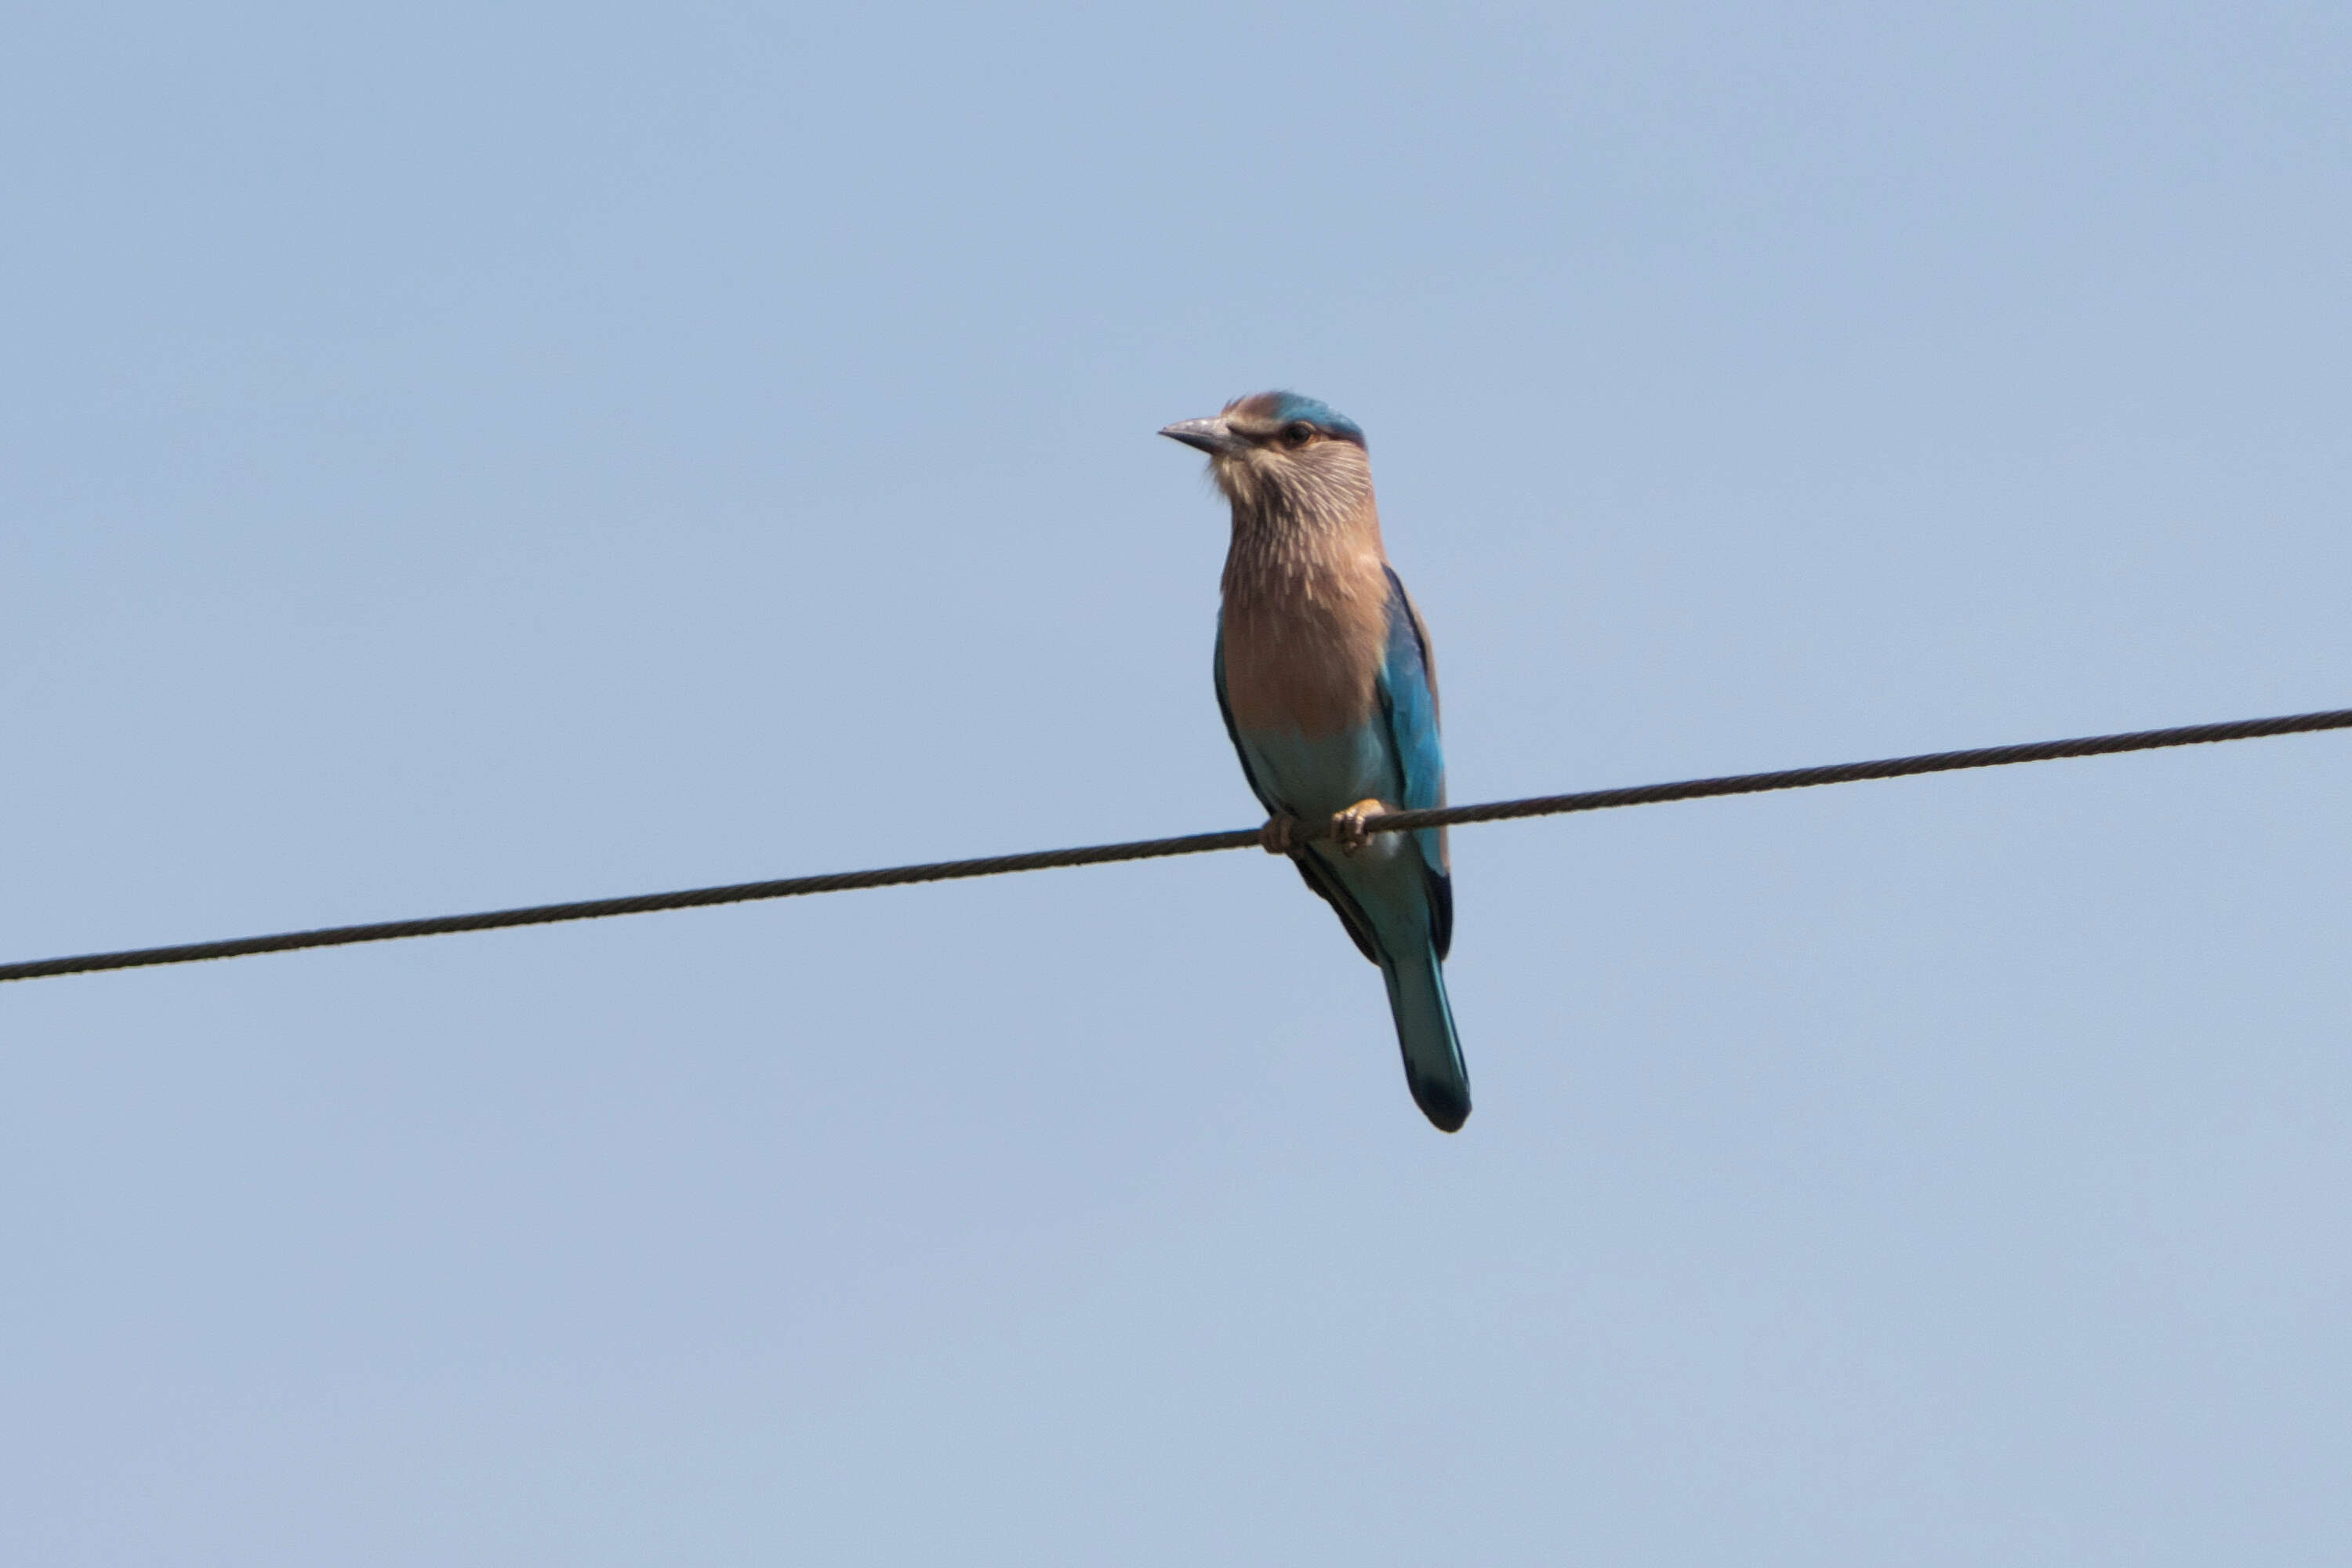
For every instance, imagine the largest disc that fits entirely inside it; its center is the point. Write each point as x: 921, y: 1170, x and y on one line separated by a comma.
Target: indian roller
x: 1324, y: 676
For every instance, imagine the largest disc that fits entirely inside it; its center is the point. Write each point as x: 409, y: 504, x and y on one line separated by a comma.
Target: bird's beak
x: 1210, y: 435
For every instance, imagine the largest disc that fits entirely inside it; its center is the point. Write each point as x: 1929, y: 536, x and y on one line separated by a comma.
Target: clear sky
x: 459, y: 455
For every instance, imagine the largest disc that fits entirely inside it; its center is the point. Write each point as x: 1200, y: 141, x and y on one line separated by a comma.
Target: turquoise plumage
x: 1329, y: 695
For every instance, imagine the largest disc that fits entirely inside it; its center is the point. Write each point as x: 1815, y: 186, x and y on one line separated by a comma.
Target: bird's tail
x: 1424, y: 1026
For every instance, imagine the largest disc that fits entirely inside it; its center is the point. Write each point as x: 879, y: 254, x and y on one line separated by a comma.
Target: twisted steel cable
x: 1193, y: 844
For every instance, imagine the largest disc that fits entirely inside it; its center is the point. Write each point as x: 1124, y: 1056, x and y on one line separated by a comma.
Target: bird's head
x: 1278, y: 453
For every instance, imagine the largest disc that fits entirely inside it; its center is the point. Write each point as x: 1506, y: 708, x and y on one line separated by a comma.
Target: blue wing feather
x: 1408, y: 689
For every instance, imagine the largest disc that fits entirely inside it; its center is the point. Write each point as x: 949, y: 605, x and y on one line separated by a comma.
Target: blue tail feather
x: 1433, y: 1070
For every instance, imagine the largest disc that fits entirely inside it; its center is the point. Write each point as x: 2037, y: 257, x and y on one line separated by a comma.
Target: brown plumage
x: 1305, y: 581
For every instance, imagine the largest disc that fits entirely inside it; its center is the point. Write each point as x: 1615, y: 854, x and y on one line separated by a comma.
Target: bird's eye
x: 1298, y: 433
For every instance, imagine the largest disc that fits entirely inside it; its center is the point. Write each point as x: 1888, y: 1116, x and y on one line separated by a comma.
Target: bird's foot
x: 1279, y: 835
x: 1349, y: 831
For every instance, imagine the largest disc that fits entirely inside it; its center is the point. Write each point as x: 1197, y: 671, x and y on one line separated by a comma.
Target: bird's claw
x: 1349, y: 832
x: 1279, y: 835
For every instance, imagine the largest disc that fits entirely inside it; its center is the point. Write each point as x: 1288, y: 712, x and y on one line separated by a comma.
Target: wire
x: 1193, y: 844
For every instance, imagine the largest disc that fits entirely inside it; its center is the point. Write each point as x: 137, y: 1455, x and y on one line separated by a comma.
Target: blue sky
x: 466, y: 456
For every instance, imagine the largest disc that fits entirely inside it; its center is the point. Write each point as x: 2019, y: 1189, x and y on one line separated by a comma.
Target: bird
x: 1329, y: 695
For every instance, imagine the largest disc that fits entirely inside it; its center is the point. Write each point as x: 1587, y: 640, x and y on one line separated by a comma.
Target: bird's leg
x: 1279, y: 835
x: 1348, y: 830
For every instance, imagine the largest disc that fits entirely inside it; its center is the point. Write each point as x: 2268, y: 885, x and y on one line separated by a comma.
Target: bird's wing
x: 1408, y: 689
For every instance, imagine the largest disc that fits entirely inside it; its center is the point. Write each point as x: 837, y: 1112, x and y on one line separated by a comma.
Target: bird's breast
x: 1303, y: 649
